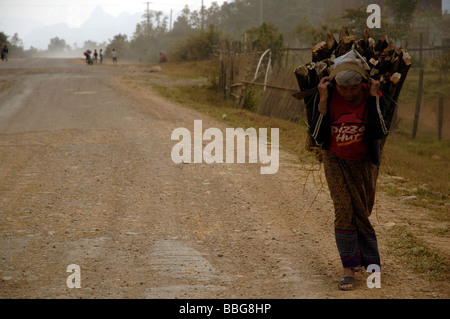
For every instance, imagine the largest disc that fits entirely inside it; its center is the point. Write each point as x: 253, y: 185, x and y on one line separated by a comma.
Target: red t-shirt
x: 348, y: 125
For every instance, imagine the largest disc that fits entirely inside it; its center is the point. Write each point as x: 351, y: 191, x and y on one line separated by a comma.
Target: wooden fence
x: 234, y: 70
x: 239, y: 71
x: 277, y: 100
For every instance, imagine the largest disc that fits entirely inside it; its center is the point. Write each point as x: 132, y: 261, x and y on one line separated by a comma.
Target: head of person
x: 349, y: 84
x: 349, y: 73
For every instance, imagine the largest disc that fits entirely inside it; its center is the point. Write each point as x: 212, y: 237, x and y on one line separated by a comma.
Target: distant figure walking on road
x: 114, y: 55
x: 101, y: 56
x: 5, y: 53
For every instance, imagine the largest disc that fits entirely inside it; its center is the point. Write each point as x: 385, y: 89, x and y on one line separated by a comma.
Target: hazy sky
x: 74, y: 13
x: 446, y: 5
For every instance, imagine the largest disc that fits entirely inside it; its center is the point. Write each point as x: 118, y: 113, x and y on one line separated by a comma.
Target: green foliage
x: 120, y: 44
x: 197, y: 46
x: 403, y: 9
x: 15, y: 40
x: 250, y: 100
x: 14, y: 43
x: 150, y: 38
x: 403, y: 15
x: 417, y: 255
x: 431, y: 23
x: 154, y: 24
x: 266, y: 36
x: 296, y: 22
x: 57, y: 44
x: 356, y: 19
x: 442, y: 64
x: 238, y: 15
x: 307, y: 33
x: 3, y: 38
x: 89, y: 45
x: 183, y: 24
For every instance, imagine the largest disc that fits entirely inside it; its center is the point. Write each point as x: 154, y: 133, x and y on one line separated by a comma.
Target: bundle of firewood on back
x: 385, y: 63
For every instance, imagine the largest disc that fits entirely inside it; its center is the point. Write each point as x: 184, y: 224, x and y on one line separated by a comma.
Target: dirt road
x: 86, y: 178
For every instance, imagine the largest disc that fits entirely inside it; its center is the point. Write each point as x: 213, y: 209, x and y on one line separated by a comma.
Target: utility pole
x: 261, y: 12
x: 203, y: 16
x: 147, y: 14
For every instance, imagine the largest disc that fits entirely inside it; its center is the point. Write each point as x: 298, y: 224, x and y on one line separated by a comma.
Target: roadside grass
x: 420, y: 166
x: 423, y: 164
x: 192, y: 70
x: 416, y: 255
x: 433, y: 86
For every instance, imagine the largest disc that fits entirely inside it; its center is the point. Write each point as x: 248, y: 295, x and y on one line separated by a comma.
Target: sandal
x: 346, y: 281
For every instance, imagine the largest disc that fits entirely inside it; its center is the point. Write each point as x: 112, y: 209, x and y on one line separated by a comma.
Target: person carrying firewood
x: 348, y: 124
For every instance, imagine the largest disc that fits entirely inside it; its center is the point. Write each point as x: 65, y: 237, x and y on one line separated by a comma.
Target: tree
x: 154, y: 24
x: 198, y: 46
x: 266, y: 36
x: 15, y: 41
x: 120, y: 44
x: 430, y: 22
x: 403, y: 15
x: 357, y: 21
x: 239, y: 15
x: 288, y: 13
x: 148, y: 38
x: 89, y: 45
x: 356, y: 18
x: 307, y: 33
x: 212, y: 15
x: 3, y: 38
x: 57, y: 44
x: 182, y: 26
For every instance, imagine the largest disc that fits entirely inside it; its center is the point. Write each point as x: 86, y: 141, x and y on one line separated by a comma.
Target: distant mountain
x: 100, y: 27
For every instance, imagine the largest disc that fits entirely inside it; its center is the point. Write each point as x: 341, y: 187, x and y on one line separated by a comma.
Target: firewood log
x: 302, y: 76
x: 345, y: 45
x: 389, y: 65
x: 323, y: 50
x: 381, y: 44
x: 320, y: 52
x: 343, y: 33
x: 331, y: 44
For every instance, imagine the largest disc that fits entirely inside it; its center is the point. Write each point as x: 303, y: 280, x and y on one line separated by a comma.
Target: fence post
x: 419, y: 92
x: 441, y: 116
x: 418, y: 101
x: 421, y: 49
x: 287, y: 57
